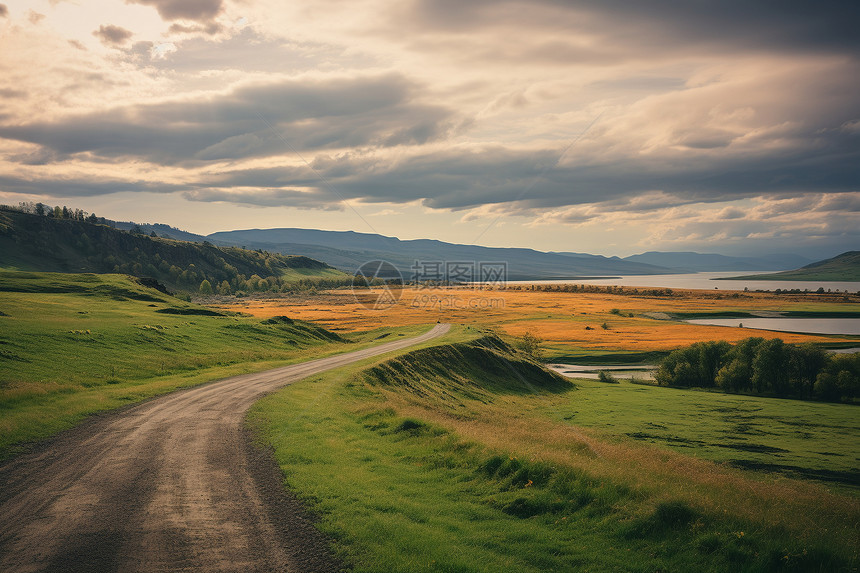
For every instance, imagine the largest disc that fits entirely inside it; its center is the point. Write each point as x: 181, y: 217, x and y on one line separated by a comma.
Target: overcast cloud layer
x: 601, y: 126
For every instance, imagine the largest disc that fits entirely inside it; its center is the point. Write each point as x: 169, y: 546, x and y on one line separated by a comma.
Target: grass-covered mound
x: 443, y: 459
x: 478, y: 370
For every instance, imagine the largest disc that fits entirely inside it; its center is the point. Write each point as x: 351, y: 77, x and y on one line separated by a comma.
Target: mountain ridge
x: 348, y: 250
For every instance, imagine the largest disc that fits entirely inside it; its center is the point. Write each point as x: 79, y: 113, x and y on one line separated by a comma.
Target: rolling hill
x: 844, y: 267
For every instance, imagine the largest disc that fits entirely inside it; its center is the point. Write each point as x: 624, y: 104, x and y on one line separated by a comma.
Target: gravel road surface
x: 171, y: 484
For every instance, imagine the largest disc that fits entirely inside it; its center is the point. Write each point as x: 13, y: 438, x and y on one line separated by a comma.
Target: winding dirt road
x: 168, y: 485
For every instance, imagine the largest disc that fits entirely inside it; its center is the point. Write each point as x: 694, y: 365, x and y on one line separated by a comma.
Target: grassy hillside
x: 464, y: 457
x: 844, y: 267
x: 74, y: 344
x: 39, y: 243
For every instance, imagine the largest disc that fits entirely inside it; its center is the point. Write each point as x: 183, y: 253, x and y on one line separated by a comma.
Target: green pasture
x: 75, y: 344
x: 379, y: 455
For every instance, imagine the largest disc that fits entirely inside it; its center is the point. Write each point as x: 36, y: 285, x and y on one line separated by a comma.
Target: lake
x: 704, y: 281
x: 806, y: 325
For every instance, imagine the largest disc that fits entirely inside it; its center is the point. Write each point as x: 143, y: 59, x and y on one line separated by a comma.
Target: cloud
x: 12, y: 93
x: 197, y: 10
x: 113, y: 35
x: 647, y: 26
x: 251, y: 121
x: 210, y: 28
x: 264, y: 198
x: 81, y: 186
x: 717, y: 120
x: 251, y: 52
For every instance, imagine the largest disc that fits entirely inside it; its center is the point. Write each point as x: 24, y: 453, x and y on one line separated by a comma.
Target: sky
x: 594, y: 126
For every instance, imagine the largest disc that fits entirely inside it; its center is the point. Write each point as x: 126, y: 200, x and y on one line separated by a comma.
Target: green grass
x: 447, y: 459
x: 72, y: 345
x: 803, y: 439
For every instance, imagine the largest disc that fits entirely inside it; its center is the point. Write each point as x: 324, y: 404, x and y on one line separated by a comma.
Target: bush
x: 607, y: 377
x: 767, y: 367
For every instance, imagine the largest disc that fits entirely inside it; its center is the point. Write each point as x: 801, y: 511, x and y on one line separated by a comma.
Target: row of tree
x: 57, y: 212
x: 764, y: 367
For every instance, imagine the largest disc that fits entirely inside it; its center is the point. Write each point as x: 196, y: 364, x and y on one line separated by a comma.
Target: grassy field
x: 801, y: 439
x: 75, y: 344
x: 569, y: 323
x: 465, y: 457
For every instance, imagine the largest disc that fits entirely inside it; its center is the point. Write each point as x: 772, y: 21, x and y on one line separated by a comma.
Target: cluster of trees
x: 764, y: 367
x: 57, y: 212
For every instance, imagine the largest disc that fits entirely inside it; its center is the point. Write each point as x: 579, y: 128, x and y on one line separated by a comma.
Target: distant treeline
x: 70, y: 240
x: 668, y: 292
x: 764, y: 367
x: 57, y: 212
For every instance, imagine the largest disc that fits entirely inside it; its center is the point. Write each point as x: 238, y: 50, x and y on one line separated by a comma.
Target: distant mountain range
x: 348, y: 250
x: 419, y: 259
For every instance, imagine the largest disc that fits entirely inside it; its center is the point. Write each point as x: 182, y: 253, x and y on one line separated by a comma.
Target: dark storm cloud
x: 254, y: 121
x: 792, y: 25
x: 199, y: 10
x: 112, y: 35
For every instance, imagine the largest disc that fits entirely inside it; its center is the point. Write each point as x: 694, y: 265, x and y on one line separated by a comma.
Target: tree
x: 770, y: 370
x: 205, y: 287
x: 805, y: 362
x: 530, y: 344
x: 712, y: 356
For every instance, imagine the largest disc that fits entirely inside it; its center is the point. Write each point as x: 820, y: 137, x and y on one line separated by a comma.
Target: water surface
x: 806, y: 325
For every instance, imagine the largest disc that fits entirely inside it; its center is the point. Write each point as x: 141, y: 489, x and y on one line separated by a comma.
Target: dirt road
x: 168, y: 485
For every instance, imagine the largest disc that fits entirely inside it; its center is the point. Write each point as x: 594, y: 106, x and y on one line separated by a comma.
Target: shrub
x: 607, y: 377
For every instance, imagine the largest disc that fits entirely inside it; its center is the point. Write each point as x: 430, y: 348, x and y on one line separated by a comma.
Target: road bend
x: 167, y: 485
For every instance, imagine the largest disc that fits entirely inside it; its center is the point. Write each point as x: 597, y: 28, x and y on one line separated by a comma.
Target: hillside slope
x: 38, y: 243
x: 844, y: 267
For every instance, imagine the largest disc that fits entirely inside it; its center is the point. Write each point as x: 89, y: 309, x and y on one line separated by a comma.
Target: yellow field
x: 560, y: 318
